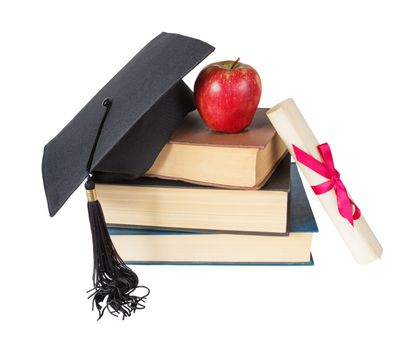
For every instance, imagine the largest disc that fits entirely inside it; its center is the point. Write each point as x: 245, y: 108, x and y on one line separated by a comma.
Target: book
x: 199, y: 155
x: 144, y: 246
x: 177, y: 205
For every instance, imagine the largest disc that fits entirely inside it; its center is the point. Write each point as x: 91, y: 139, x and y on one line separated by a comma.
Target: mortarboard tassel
x: 113, y: 280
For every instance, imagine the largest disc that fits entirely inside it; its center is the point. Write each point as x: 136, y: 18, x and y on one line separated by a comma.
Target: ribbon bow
x: 327, y: 170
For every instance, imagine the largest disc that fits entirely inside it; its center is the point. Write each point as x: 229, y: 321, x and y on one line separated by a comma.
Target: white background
x: 352, y: 69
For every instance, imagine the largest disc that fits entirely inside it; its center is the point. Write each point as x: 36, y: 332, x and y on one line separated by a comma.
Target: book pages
x: 294, y: 130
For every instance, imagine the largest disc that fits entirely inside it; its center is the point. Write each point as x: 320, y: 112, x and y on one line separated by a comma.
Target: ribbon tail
x: 343, y: 202
x: 357, y: 211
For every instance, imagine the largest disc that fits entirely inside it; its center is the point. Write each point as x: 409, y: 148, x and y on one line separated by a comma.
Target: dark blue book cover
x: 300, y: 215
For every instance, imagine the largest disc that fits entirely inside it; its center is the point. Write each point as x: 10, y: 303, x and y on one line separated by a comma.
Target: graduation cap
x: 118, y: 135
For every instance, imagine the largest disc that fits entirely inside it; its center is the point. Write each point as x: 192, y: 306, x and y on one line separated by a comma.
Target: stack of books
x: 213, y: 198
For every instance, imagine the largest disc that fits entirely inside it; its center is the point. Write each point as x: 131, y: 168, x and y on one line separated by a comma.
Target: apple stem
x: 235, y: 63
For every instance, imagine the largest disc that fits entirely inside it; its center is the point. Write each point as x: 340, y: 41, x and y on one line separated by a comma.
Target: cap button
x: 106, y: 102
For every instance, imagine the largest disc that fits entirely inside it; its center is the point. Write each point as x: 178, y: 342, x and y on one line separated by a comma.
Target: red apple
x: 227, y: 94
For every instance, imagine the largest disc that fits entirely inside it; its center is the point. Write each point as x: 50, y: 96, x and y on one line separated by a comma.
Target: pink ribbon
x: 347, y: 208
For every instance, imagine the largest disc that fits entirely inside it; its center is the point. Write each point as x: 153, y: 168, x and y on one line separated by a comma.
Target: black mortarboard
x: 118, y: 134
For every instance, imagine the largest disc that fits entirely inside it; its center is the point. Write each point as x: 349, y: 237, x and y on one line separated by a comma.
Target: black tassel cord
x: 113, y: 280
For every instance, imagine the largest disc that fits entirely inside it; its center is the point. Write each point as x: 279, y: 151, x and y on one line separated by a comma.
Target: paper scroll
x: 294, y: 131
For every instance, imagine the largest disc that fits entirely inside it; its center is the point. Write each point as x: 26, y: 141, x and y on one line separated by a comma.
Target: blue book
x: 151, y: 246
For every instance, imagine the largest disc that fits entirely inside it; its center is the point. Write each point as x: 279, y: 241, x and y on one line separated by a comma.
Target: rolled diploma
x: 294, y: 130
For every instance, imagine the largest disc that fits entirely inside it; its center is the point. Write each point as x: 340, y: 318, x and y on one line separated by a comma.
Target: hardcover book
x: 144, y: 246
x: 177, y: 205
x: 199, y: 155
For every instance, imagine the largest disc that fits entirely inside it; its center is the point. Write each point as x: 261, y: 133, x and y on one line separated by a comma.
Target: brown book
x: 199, y: 155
